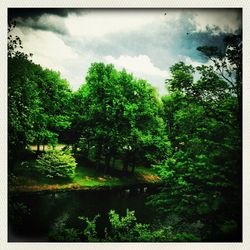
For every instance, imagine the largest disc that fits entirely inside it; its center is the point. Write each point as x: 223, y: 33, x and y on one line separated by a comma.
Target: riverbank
x: 86, y: 178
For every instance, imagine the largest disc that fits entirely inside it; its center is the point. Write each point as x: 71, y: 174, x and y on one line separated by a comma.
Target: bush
x: 60, y: 232
x: 56, y: 163
x: 127, y: 229
x: 17, y: 212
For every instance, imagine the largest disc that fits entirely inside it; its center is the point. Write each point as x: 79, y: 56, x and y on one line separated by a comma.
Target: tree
x: 52, y: 117
x: 121, y: 117
x: 203, y: 173
x: 38, y: 100
x: 22, y: 102
x: 228, y: 65
x: 99, y: 93
x: 78, y: 128
x: 143, y: 131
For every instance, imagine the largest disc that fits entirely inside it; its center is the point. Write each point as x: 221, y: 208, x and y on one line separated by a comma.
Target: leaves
x: 120, y: 116
x: 203, y: 128
x: 56, y: 164
x: 60, y: 232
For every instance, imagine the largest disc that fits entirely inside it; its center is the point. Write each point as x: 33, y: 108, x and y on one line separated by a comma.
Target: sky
x: 145, y: 42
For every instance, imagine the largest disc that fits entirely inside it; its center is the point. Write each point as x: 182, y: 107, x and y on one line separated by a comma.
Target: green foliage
x: 60, y: 232
x: 52, y: 116
x: 56, y: 164
x: 192, y: 136
x: 203, y: 173
x: 17, y: 211
x: 228, y: 66
x: 90, y: 229
x: 22, y: 102
x: 228, y: 226
x: 127, y: 229
x: 38, y: 101
x: 185, y: 237
x: 120, y: 117
x: 121, y: 228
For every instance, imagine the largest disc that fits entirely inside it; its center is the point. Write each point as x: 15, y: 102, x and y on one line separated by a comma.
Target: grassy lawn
x: 87, y: 177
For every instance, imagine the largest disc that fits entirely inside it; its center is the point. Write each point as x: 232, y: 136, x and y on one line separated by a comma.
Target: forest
x: 117, y: 133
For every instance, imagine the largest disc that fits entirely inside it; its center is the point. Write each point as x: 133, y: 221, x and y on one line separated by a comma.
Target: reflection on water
x: 44, y: 209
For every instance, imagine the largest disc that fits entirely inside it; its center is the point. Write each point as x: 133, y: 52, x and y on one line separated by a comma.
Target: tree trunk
x: 125, y: 163
x: 38, y: 148
x: 87, y: 150
x: 107, y: 163
x: 133, y: 169
x: 74, y: 148
x: 43, y: 147
x: 98, y: 156
x: 113, y: 162
x: 125, y: 166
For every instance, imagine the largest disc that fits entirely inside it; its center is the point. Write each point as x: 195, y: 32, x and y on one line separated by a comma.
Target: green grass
x: 86, y: 177
x: 90, y: 177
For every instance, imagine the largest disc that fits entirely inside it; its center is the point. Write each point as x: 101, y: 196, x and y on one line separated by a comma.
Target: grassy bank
x: 87, y: 177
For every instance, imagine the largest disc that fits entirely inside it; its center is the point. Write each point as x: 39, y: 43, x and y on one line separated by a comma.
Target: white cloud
x: 144, y: 42
x: 189, y: 60
x: 142, y: 67
x: 99, y: 23
x: 136, y: 64
x: 47, y: 48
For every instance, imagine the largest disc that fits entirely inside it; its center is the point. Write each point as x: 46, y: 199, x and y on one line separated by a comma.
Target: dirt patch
x: 101, y: 179
x: 87, y: 178
x: 150, y: 178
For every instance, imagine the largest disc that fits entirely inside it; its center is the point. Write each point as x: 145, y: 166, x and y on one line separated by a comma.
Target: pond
x: 45, y: 208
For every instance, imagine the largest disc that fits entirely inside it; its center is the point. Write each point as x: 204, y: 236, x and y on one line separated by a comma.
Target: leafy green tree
x: 143, y: 135
x: 22, y: 103
x: 122, y: 117
x: 78, y: 128
x: 203, y: 173
x: 52, y: 117
x: 97, y: 117
x: 38, y: 100
x: 228, y: 65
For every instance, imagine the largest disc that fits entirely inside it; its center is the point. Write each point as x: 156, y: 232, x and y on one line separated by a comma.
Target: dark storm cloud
x: 35, y: 13
x: 163, y: 44
x: 164, y: 40
x: 40, y: 18
x: 45, y: 23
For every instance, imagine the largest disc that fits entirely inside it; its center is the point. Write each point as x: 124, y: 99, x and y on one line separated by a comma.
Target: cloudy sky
x: 145, y: 42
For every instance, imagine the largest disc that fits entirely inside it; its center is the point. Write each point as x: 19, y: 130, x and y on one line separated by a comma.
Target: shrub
x: 127, y: 229
x: 56, y: 163
x: 18, y: 212
x: 60, y: 232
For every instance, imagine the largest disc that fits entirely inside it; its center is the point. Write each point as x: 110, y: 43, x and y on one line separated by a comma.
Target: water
x: 45, y: 208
